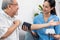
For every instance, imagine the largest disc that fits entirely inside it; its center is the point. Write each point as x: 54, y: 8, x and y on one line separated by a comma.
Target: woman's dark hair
x: 52, y: 4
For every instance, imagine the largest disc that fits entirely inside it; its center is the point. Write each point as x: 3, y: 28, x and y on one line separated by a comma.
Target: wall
x: 0, y: 4
x: 27, y: 9
x: 58, y: 8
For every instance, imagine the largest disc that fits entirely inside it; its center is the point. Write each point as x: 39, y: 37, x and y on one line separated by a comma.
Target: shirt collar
x: 6, y: 15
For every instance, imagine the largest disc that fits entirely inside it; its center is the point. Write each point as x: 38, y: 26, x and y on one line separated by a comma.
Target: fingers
x: 52, y: 20
x: 24, y: 28
x: 58, y: 22
x: 56, y: 36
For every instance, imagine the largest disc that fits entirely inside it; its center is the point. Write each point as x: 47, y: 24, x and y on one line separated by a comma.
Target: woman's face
x: 46, y: 7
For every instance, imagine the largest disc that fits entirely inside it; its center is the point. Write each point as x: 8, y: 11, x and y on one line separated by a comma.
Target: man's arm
x: 11, y: 29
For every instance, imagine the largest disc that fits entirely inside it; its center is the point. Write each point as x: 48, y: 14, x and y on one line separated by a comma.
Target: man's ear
x: 8, y: 6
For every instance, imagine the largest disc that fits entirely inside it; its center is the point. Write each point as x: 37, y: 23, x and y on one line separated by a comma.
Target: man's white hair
x: 5, y: 3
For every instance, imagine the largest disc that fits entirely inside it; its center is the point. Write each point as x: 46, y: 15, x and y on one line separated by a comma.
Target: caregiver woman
x: 46, y: 16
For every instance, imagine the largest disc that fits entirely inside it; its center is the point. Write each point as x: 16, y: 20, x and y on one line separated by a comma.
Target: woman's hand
x: 53, y: 23
x: 56, y: 36
x: 25, y: 28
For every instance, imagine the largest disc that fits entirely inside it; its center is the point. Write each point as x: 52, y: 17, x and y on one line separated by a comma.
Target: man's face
x: 14, y: 7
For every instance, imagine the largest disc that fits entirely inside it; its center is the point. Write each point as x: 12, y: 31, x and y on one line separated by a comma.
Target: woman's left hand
x: 25, y: 28
x: 56, y: 36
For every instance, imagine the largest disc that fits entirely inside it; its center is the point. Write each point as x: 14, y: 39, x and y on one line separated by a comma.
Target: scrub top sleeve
x: 57, y: 28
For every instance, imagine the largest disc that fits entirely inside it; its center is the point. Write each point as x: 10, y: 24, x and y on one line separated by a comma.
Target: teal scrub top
x: 42, y: 32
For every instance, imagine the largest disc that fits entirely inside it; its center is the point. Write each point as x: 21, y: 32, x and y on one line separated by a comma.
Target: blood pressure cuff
x: 27, y: 25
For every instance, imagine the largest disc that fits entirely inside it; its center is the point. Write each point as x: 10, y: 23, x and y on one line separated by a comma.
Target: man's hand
x: 17, y: 22
x: 11, y: 29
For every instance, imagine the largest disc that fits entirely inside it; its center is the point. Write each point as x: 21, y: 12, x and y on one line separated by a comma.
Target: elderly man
x: 9, y: 26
